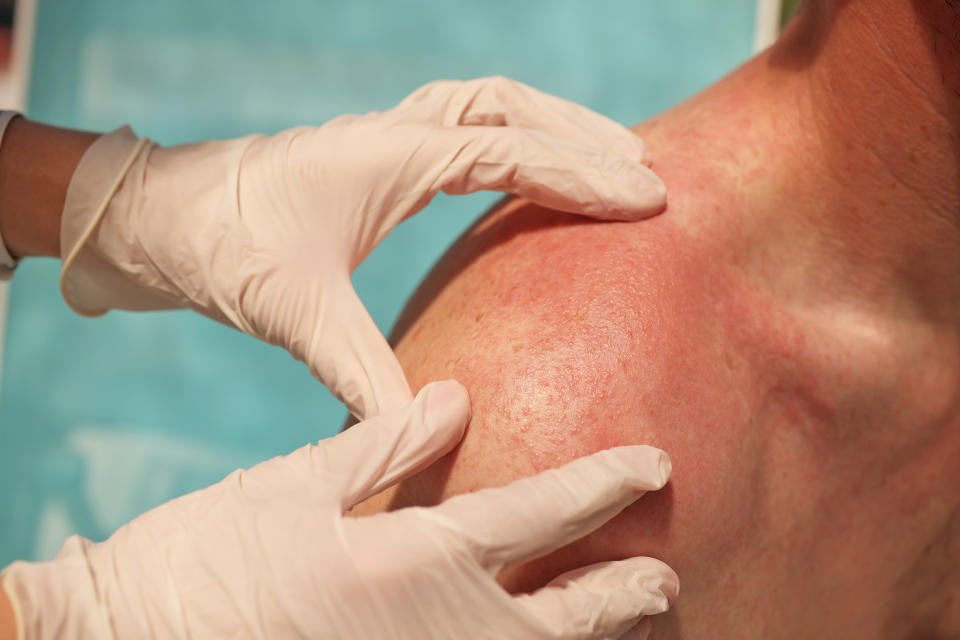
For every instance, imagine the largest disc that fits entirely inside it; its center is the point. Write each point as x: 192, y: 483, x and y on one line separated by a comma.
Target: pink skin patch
x: 691, y: 332
x: 574, y: 336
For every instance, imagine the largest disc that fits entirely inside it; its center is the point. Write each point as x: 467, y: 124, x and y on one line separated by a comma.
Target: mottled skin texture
x: 813, y: 437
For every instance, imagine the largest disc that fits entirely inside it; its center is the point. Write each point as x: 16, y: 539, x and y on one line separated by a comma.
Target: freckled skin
x: 591, y: 335
x: 790, y: 514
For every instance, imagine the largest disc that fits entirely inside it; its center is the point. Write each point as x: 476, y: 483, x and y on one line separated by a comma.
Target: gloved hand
x: 262, y: 233
x: 267, y: 553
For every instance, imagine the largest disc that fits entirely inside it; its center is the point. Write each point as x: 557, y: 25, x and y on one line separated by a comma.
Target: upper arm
x: 572, y: 336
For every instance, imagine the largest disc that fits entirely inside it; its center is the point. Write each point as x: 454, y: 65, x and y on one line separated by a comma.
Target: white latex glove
x: 262, y: 233
x: 267, y: 553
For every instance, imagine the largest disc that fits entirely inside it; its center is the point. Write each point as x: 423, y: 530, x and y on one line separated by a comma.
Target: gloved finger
x: 375, y: 454
x: 547, y: 170
x: 533, y: 516
x: 499, y: 101
x: 353, y: 359
x: 604, y: 600
x: 344, y: 120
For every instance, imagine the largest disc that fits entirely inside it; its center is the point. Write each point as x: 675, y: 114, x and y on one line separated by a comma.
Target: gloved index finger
x: 499, y: 101
x: 550, y: 171
x: 536, y: 515
x: 603, y: 600
x: 354, y: 360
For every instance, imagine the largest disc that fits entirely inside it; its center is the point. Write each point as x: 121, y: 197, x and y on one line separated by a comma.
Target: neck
x: 868, y: 93
x: 878, y: 83
x: 842, y: 143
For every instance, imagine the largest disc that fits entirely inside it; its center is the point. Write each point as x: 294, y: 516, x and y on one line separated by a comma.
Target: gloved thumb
x: 377, y: 453
x: 352, y: 358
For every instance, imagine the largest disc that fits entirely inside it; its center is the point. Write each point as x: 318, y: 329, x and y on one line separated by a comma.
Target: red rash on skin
x: 695, y: 333
x: 575, y: 336
x: 581, y: 336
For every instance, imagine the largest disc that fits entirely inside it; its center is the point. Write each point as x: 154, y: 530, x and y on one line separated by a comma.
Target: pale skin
x: 788, y: 331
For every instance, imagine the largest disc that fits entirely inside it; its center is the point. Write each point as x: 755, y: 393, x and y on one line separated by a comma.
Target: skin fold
x: 787, y: 331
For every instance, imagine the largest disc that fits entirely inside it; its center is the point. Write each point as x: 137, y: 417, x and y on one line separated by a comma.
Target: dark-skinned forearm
x: 36, y: 164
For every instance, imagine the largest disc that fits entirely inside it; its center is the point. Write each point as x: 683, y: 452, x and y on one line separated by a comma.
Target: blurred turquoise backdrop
x: 102, y: 419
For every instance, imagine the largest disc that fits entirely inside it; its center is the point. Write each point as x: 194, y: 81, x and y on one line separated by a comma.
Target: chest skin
x: 790, y: 493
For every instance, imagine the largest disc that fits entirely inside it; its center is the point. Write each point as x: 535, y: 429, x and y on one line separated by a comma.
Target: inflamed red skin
x: 810, y: 434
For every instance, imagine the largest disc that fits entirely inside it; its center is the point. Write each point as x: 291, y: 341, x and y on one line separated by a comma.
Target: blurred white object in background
x: 767, y: 23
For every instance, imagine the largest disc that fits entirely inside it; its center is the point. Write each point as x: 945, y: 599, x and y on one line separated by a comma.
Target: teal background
x: 101, y: 419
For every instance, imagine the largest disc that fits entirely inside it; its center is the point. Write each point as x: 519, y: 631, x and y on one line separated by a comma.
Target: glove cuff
x: 57, y: 599
x: 87, y: 280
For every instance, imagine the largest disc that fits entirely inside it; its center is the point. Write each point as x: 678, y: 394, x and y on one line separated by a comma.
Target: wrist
x: 36, y: 164
x: 8, y: 263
